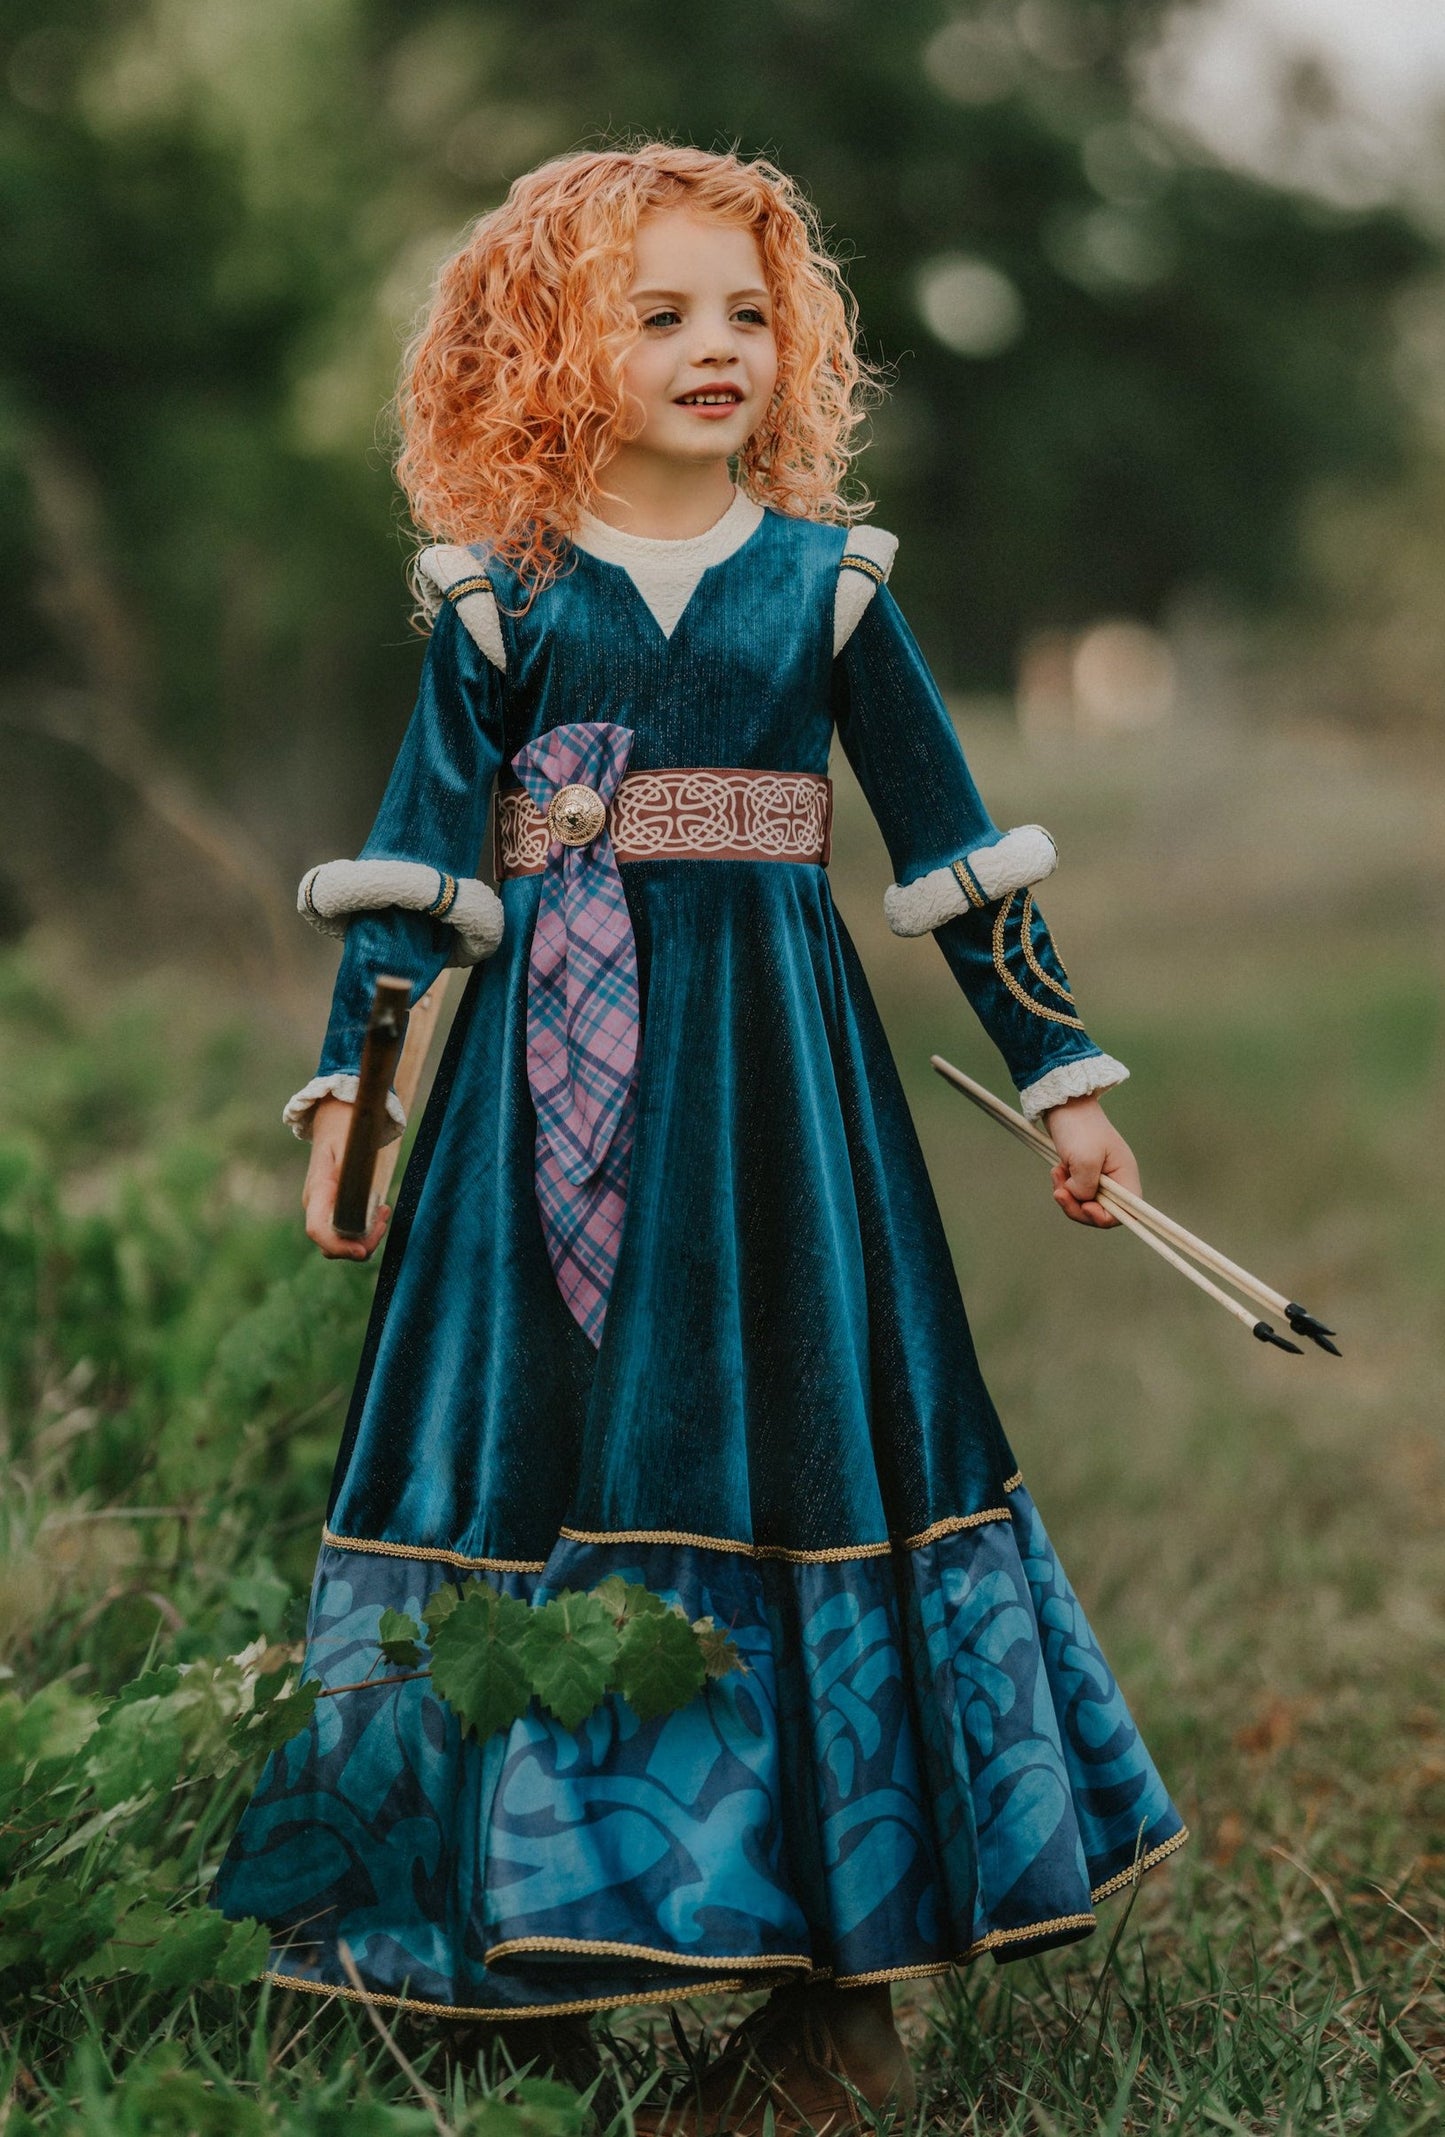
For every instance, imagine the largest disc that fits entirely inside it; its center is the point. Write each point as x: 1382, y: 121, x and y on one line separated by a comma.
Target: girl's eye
x: 751, y: 315
x: 663, y: 318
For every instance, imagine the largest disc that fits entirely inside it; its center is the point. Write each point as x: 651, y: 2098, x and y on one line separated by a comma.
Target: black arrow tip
x: 1267, y: 1335
x: 1305, y: 1323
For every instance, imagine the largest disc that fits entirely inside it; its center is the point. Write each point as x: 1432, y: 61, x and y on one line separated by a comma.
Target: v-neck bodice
x: 666, y: 572
x: 743, y: 678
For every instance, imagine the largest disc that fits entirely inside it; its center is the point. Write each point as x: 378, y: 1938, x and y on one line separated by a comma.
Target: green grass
x: 1256, y: 1538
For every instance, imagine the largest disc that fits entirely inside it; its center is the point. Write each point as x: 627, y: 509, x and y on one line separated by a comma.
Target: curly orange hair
x: 512, y: 401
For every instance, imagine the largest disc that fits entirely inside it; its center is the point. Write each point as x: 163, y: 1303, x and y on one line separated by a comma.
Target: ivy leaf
x: 397, y: 1636
x: 720, y: 1653
x: 138, y: 1747
x: 570, y: 1646
x: 476, y: 1658
x: 277, y: 1722
x: 444, y: 1600
x: 660, y: 1666
x: 626, y: 1599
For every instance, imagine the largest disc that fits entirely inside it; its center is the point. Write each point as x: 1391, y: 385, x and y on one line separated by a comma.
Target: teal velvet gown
x: 784, y: 1425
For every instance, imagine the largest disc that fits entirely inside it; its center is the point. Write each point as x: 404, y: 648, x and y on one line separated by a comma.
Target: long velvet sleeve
x: 900, y: 740
x: 434, y: 811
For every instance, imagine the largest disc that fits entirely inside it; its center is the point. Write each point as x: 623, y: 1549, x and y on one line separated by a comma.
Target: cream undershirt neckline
x: 665, y: 570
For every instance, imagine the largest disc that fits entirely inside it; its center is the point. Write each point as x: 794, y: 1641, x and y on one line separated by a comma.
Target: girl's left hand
x: 1090, y: 1147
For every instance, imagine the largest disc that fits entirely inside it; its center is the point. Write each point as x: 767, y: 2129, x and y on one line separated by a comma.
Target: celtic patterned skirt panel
x: 926, y: 1758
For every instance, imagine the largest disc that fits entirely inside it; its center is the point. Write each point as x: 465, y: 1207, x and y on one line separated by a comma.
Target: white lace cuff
x: 1071, y: 1079
x: 300, y: 1112
x: 1022, y: 857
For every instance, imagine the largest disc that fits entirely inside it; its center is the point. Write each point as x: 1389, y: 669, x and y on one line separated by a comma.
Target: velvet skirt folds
x: 784, y: 1427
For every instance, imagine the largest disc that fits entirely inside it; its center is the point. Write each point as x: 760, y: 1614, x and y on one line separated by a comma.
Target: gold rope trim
x: 511, y: 2010
x: 835, y: 1555
x: 1021, y: 994
x: 446, y: 897
x: 971, y: 891
x: 995, y: 1939
x: 459, y: 592
x: 1012, y: 1483
x: 992, y: 1942
x: 892, y: 1973
x: 1137, y: 1869
x: 953, y: 1524
x: 1026, y: 921
x: 869, y: 569
x: 586, y: 1948
x: 433, y: 1557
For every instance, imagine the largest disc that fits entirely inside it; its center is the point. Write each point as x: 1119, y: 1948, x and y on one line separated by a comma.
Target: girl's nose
x: 715, y: 343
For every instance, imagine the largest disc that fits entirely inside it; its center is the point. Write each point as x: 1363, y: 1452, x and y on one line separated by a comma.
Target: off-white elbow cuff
x: 333, y: 891
x: 1022, y: 857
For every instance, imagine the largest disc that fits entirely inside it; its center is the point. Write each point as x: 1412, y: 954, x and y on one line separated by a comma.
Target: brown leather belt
x: 680, y: 812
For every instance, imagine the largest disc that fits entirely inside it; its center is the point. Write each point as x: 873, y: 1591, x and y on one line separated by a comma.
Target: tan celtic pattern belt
x: 681, y: 812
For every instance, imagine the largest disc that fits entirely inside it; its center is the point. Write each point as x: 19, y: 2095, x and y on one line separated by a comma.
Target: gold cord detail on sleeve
x: 866, y: 565
x: 1021, y: 994
x: 1026, y: 919
x: 446, y: 897
x: 1012, y: 1483
x: 970, y: 887
x: 460, y: 591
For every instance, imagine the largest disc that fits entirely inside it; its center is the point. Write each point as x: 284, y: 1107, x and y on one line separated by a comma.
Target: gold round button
x: 576, y: 815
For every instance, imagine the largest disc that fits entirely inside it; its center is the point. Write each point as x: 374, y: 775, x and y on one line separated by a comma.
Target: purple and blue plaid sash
x: 583, y: 1022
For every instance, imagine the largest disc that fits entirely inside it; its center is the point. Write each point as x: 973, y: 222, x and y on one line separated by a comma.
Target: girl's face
x: 700, y: 379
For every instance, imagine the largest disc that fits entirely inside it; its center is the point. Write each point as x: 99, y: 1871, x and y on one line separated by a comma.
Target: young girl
x: 666, y: 1293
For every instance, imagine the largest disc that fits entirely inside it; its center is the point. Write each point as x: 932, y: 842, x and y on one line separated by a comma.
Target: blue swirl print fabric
x: 925, y: 1758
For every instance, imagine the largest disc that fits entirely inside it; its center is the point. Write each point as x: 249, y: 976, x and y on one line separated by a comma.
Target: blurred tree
x: 1118, y: 370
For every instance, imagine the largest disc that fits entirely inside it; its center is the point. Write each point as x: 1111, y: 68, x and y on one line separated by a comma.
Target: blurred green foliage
x: 217, y: 220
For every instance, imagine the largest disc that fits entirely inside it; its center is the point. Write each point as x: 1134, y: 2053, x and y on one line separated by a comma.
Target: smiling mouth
x: 710, y: 397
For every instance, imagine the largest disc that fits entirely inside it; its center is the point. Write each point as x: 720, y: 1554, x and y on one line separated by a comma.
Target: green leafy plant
x: 491, y: 1655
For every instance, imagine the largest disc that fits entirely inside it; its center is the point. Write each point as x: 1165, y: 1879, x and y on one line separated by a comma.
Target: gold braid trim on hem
x: 837, y: 1554
x: 785, y: 1968
x: 890, y: 1973
x: 433, y: 1555
x: 503, y: 2012
x: 1137, y: 1869
x: 954, y: 1524
x: 584, y: 1947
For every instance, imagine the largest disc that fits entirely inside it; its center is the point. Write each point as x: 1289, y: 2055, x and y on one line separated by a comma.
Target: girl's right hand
x: 329, y: 1126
